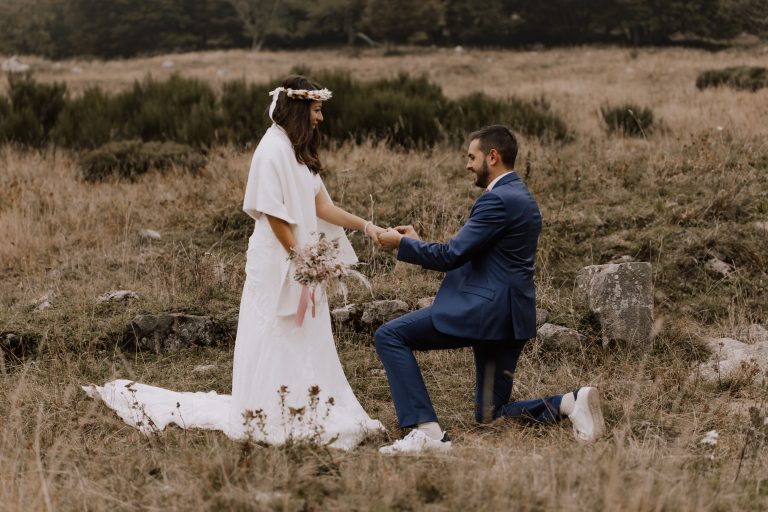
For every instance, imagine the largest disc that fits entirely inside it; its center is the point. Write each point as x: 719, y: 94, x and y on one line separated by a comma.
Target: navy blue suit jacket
x: 488, y: 292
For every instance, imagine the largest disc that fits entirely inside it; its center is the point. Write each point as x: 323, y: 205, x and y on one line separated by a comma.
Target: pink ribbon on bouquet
x: 306, y: 296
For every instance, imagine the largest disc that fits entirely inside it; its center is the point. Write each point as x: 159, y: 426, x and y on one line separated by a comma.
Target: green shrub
x: 179, y: 109
x: 32, y: 110
x: 131, y: 158
x: 404, y: 111
x: 738, y: 77
x: 243, y: 108
x: 5, y: 108
x: 86, y: 122
x: 628, y: 119
x: 410, y: 111
x: 474, y: 111
x: 22, y: 127
x: 401, y: 120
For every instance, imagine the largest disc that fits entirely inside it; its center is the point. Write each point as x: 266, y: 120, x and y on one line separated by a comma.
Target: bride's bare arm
x: 283, y: 232
x: 335, y: 215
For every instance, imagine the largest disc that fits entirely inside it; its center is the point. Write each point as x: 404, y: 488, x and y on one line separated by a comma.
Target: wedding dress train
x: 287, y: 384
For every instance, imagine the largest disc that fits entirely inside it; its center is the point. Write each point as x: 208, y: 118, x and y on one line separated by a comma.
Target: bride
x: 287, y: 381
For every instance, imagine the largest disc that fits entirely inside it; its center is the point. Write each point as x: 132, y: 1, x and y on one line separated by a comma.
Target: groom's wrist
x: 405, y: 249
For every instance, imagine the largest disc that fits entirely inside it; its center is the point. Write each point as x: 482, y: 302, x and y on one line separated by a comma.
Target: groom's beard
x: 483, y: 176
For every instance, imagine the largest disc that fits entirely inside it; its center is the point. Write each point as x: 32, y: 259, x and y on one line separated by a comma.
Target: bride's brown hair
x: 293, y: 115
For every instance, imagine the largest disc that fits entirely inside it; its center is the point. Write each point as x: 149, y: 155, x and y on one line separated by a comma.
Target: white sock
x: 567, y: 403
x: 432, y: 429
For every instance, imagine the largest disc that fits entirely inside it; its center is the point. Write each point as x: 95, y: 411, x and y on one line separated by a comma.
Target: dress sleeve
x: 264, y: 191
x: 317, y: 181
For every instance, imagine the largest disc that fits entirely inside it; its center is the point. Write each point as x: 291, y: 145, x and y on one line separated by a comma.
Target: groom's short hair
x: 501, y: 139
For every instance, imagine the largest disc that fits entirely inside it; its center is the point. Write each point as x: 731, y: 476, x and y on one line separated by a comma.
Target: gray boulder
x: 117, y: 296
x: 756, y: 333
x: 150, y: 234
x: 168, y: 332
x: 730, y: 357
x: 382, y: 311
x: 44, y: 302
x: 347, y: 315
x: 368, y: 316
x: 424, y: 302
x: 621, y: 296
x: 717, y: 266
x: 541, y: 317
x: 559, y: 336
x: 204, y: 368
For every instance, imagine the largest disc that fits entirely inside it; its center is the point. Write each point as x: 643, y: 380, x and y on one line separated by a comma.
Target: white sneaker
x: 416, y: 442
x: 587, y: 416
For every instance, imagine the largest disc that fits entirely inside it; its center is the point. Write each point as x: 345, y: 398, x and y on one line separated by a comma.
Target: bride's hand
x: 373, y: 231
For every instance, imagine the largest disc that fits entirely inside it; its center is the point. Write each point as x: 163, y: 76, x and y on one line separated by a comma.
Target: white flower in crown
x: 304, y: 94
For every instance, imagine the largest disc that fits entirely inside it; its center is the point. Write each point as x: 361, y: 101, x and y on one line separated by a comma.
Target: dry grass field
x: 687, y: 193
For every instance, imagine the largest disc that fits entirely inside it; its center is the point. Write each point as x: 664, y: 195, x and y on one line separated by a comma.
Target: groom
x: 486, y: 301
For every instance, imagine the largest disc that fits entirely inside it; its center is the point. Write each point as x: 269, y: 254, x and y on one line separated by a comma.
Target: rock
x: 203, y: 368
x: 44, y: 302
x: 168, y: 64
x: 77, y: 70
x: 623, y: 259
x: 168, y: 332
x: 741, y: 407
x: 117, y: 296
x: 719, y: 267
x: 459, y: 50
x: 424, y: 302
x: 559, y: 336
x: 621, y: 296
x: 730, y: 356
x: 541, y: 317
x: 150, y: 233
x: 369, y: 316
x: 13, y: 65
x: 276, y: 500
x: 761, y: 227
x: 756, y: 333
x: 382, y: 311
x: 348, y: 314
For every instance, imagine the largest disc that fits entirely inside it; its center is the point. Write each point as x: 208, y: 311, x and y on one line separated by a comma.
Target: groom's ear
x: 493, y: 155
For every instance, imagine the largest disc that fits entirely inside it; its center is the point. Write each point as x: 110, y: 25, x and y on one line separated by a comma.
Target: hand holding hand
x: 408, y: 231
x: 373, y: 231
x: 390, y: 239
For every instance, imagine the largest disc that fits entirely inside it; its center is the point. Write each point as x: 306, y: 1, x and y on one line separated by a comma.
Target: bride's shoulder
x: 273, y: 142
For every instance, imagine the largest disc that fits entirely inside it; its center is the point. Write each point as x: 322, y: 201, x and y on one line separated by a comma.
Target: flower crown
x: 304, y: 94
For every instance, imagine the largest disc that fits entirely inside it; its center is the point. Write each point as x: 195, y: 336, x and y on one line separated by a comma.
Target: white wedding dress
x: 287, y: 382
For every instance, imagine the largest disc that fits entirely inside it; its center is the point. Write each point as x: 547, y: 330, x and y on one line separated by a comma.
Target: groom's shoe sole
x: 596, y: 412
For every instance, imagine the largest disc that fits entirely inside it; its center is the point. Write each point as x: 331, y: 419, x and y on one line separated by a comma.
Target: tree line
x: 123, y: 28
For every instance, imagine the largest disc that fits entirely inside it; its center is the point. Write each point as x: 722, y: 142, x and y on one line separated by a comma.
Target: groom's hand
x: 408, y: 231
x: 390, y: 239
